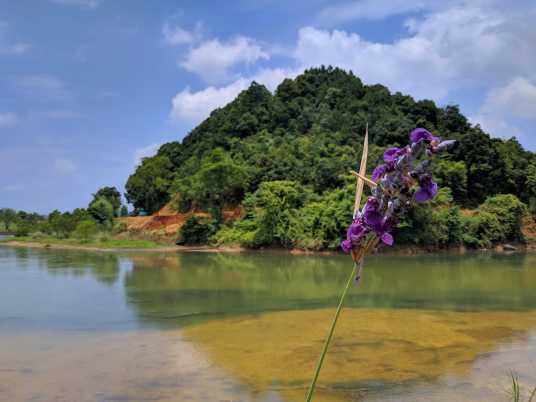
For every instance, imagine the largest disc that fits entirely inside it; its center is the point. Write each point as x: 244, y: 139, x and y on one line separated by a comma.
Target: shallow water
x: 79, y: 326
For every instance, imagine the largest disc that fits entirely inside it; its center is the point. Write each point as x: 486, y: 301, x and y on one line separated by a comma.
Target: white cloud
x: 517, y: 98
x: 64, y: 166
x: 79, y: 3
x: 495, y: 125
x: 213, y: 59
x: 42, y: 86
x: 193, y: 107
x: 145, y: 152
x: 174, y: 35
x: 455, y: 46
x: 465, y: 46
x: 410, y: 65
x: 8, y: 119
x: 368, y: 9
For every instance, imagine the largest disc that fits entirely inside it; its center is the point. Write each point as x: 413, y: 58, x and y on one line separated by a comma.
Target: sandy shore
x: 163, y: 249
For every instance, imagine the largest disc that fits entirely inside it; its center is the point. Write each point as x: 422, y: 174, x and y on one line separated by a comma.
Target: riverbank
x: 116, y: 245
x: 110, y: 245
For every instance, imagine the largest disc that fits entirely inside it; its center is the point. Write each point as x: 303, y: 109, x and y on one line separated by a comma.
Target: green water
x: 123, y: 326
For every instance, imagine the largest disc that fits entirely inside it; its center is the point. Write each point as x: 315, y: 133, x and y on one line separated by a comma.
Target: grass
x: 516, y: 390
x: 97, y: 243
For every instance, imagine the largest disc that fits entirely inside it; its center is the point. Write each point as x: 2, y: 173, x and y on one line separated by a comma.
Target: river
x: 81, y: 326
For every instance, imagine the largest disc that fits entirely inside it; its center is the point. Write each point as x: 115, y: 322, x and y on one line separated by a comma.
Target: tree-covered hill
x: 294, y: 149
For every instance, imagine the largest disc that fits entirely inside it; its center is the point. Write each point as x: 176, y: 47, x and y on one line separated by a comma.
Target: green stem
x: 330, y: 334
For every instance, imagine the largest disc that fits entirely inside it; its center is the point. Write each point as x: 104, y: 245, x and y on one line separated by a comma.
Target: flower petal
x: 422, y: 195
x: 378, y: 172
x: 391, y: 154
x: 346, y: 246
x: 387, y: 238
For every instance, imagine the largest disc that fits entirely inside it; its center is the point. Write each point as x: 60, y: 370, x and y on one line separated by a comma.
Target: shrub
x: 23, y: 229
x: 85, y: 230
x: 195, y: 231
x: 509, y: 212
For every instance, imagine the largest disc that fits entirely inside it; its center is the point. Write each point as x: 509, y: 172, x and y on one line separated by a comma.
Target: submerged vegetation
x: 284, y: 159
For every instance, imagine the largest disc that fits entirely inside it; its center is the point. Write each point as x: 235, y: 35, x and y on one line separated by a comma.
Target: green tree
x: 530, y: 187
x: 112, y: 195
x: 102, y: 211
x: 8, y: 217
x: 195, y: 230
x: 148, y: 187
x: 124, y: 211
x: 452, y: 175
x: 220, y: 181
x: 61, y: 224
x: 24, y: 228
x: 86, y: 229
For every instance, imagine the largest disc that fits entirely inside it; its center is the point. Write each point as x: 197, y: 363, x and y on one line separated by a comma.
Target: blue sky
x: 87, y: 87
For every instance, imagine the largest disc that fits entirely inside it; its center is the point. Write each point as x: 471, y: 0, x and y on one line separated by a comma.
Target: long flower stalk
x: 331, y: 331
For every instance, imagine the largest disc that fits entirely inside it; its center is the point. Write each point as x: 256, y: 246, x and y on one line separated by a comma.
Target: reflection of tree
x: 189, y: 288
x: 104, y: 267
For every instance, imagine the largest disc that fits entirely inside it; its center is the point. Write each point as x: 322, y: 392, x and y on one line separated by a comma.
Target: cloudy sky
x: 87, y: 87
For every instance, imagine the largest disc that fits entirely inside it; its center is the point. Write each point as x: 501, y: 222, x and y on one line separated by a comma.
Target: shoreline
x: 397, y: 251
x: 162, y: 249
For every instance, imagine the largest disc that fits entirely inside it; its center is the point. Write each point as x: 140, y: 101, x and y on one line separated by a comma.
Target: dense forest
x: 284, y: 159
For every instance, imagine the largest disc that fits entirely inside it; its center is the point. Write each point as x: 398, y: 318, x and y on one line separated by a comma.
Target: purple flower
x: 427, y: 188
x: 379, y: 171
x: 387, y: 238
x: 346, y: 246
x: 394, y: 195
x: 356, y: 231
x: 420, y: 134
x: 382, y: 230
x: 391, y: 154
x: 370, y: 212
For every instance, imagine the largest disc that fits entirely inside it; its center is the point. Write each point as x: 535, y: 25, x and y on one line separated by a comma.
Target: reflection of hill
x: 371, y: 347
x: 189, y: 288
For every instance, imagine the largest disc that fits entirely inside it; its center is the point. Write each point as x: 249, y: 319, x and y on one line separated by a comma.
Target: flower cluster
x: 404, y: 179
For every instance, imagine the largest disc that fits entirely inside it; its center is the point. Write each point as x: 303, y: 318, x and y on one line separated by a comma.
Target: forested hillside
x: 285, y: 159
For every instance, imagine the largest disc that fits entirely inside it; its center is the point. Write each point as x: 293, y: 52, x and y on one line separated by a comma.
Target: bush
x: 498, y: 219
x: 196, y: 231
x: 509, y: 212
x: 271, y: 216
x: 23, y: 229
x: 322, y: 223
x: 85, y: 230
x: 437, y: 223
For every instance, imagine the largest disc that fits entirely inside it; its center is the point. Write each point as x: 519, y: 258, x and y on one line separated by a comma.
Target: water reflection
x: 248, y: 327
x: 104, y: 267
x: 183, y: 289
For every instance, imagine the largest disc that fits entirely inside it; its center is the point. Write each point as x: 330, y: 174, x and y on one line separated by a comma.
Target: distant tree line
x: 82, y: 223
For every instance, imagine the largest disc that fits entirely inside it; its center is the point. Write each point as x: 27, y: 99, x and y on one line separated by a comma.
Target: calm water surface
x: 79, y: 326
